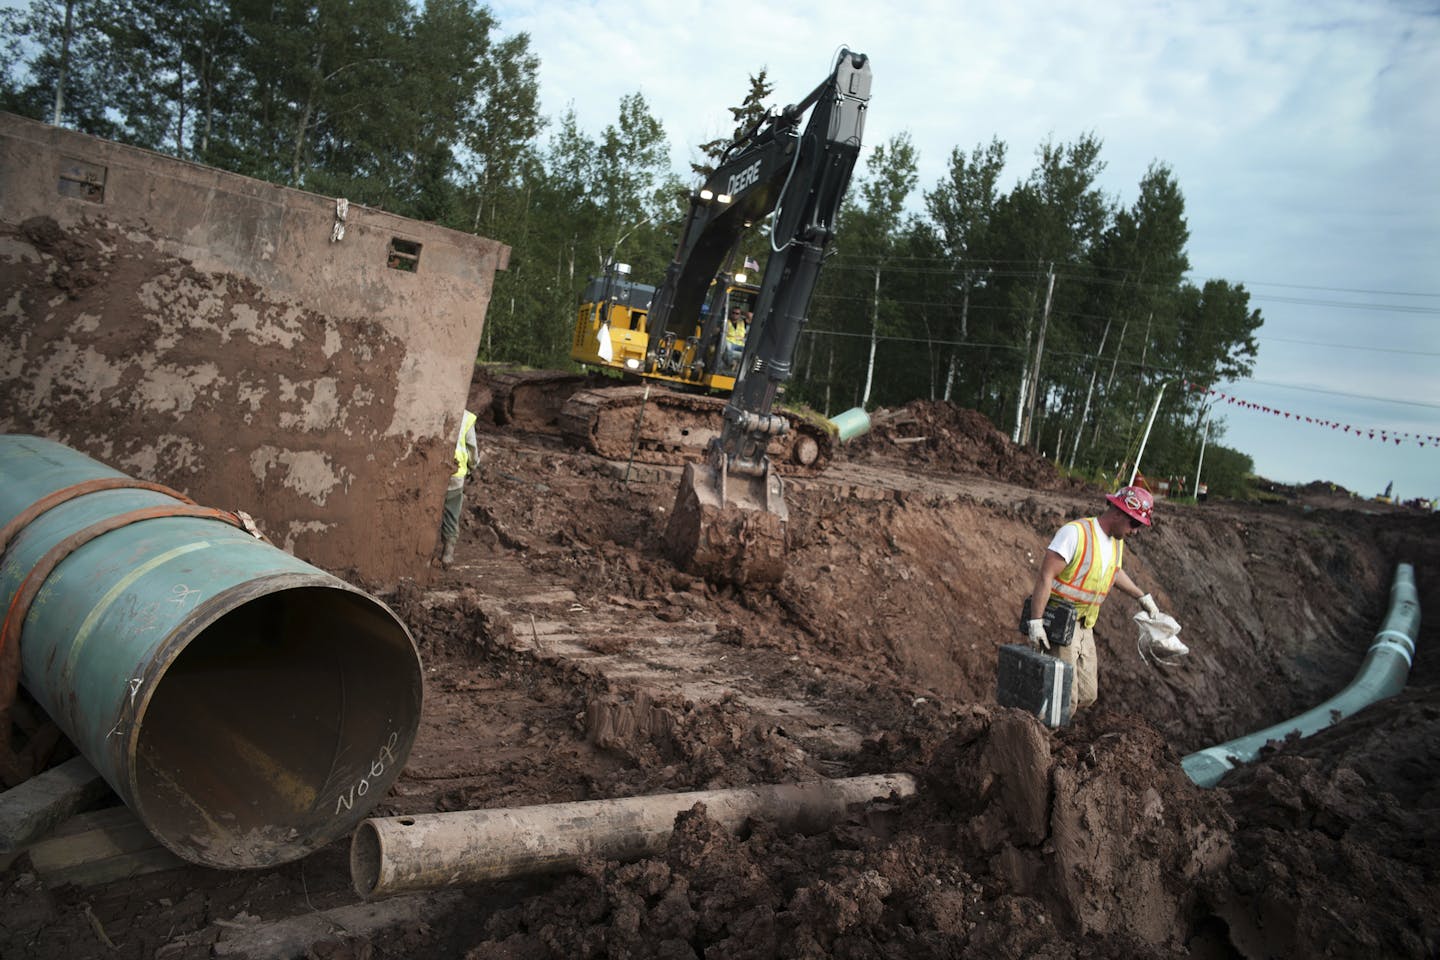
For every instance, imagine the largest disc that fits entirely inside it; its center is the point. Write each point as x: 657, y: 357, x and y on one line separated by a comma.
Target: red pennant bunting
x: 1362, y: 432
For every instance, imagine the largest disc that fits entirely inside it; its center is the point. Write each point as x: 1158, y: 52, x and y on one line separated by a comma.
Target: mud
x: 568, y: 659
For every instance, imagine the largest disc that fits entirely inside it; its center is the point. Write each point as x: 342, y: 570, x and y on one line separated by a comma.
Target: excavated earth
x: 566, y: 659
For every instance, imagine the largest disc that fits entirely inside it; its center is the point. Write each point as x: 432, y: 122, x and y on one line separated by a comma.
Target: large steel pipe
x: 1382, y: 674
x: 248, y: 707
x: 393, y: 855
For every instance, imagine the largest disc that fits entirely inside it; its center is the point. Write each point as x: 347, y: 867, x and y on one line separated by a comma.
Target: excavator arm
x: 729, y: 519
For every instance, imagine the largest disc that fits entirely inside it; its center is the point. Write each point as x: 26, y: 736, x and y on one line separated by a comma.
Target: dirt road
x: 567, y: 660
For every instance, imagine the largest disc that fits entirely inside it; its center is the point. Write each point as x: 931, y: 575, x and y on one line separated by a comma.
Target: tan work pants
x: 1085, y: 686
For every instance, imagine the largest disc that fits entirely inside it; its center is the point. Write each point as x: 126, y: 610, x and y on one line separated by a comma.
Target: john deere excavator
x: 668, y: 341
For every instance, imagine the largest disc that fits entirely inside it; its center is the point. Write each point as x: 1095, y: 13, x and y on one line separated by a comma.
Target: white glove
x: 1147, y: 603
x: 1037, y: 633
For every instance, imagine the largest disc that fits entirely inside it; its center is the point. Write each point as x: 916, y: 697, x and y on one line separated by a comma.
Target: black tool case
x: 1035, y: 682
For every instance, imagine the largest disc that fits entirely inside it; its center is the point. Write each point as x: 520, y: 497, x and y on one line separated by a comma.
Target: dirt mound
x: 1337, y: 840
x: 940, y: 436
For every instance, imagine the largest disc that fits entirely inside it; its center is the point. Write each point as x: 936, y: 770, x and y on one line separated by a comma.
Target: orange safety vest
x: 1086, y: 579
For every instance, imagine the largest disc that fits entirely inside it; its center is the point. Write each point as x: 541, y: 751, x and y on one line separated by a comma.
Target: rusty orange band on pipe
x: 51, y: 500
x: 35, y: 579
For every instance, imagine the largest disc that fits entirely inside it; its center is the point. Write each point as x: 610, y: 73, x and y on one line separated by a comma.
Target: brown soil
x: 566, y: 659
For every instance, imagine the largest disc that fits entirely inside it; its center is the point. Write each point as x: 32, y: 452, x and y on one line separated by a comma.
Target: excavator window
x: 743, y: 299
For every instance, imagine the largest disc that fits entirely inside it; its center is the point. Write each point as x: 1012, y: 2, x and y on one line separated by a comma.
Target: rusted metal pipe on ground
x: 248, y: 707
x: 391, y: 855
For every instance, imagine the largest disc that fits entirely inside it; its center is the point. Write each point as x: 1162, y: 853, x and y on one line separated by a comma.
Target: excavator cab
x: 612, y: 332
x: 706, y: 357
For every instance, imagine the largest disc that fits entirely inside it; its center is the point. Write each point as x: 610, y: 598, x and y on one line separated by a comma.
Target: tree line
x: 1061, y: 313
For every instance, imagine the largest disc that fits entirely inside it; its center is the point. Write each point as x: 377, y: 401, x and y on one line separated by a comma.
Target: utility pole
x: 1085, y: 412
x: 1020, y: 398
x: 1034, y: 389
x: 1203, y: 437
x: 1149, y: 422
x: 1109, y: 381
x: 874, y: 334
x: 64, y: 64
x: 964, y: 335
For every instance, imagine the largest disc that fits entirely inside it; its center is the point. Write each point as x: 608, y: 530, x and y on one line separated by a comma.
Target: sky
x: 1305, y: 137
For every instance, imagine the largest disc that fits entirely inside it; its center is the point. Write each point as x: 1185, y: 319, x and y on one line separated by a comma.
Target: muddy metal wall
x: 256, y: 347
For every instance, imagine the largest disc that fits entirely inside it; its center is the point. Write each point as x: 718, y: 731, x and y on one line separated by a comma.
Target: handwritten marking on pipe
x: 123, y: 584
x: 385, y: 759
x: 181, y: 593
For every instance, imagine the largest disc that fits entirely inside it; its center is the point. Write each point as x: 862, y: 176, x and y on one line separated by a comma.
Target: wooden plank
x: 110, y: 869
x: 98, y: 848
x: 33, y: 809
x: 293, y: 937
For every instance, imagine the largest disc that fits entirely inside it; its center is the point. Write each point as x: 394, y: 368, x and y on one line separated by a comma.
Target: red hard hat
x: 1134, y: 501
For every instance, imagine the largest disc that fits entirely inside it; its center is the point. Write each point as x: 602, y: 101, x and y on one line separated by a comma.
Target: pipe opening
x: 365, y: 857
x: 276, y: 726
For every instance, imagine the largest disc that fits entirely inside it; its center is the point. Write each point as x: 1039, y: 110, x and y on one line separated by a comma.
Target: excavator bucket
x: 729, y: 528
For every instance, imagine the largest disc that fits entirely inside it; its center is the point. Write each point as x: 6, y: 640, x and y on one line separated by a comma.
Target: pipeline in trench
x: 1382, y: 674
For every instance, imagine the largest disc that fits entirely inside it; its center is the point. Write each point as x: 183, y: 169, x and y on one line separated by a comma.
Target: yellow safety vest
x: 735, y: 333
x: 462, y: 452
x: 1086, y: 579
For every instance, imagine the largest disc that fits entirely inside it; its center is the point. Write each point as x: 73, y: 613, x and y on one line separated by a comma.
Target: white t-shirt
x: 1067, y: 541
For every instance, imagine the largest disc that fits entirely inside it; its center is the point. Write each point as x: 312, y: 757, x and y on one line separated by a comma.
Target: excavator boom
x: 730, y: 516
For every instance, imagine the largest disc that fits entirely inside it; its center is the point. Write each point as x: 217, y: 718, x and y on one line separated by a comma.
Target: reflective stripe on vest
x: 1086, y: 579
x: 462, y: 452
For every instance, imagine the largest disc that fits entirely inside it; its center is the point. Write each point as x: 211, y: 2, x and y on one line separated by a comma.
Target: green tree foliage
x: 861, y: 291
x: 500, y: 130
x: 58, y: 61
x: 747, y: 116
x: 962, y: 207
x: 1226, y: 472
x: 586, y: 200
x: 1057, y: 311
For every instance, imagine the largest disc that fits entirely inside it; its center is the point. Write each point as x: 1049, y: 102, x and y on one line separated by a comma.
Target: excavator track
x: 531, y: 399
x: 672, y: 427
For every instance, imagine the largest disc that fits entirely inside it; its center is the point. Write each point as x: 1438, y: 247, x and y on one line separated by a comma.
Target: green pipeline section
x: 1382, y: 674
x: 850, y: 424
x: 248, y: 707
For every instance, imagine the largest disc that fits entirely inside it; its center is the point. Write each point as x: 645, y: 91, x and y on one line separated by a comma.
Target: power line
x: 1350, y: 304
x: 1304, y: 286
x: 951, y: 261
x: 1339, y: 393
x: 1350, y: 346
x: 1027, y: 268
x: 1176, y: 323
x: 931, y: 341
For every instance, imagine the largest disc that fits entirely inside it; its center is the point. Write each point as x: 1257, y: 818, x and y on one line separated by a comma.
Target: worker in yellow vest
x: 1081, y: 564
x: 467, y: 455
x: 737, y: 327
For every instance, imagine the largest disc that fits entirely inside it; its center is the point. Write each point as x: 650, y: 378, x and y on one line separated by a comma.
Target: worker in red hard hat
x: 1081, y: 564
